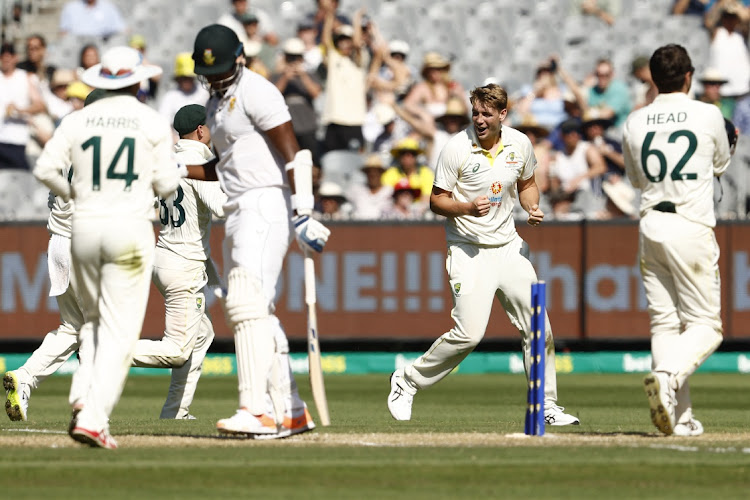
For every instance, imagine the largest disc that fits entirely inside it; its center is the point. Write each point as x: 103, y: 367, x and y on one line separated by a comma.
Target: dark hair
x: 669, y: 65
x: 39, y: 37
x: 83, y: 51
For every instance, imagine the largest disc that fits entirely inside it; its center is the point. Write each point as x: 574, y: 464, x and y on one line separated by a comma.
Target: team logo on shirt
x: 199, y: 303
x: 208, y: 57
x: 512, y: 158
x: 457, y: 289
x: 232, y: 102
x: 496, y: 193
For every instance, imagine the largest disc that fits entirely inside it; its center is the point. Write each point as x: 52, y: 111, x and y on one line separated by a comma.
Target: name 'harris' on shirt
x: 112, y: 122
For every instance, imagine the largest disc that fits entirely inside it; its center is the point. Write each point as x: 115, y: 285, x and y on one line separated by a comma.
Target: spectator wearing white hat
x: 300, y: 88
x: 333, y: 202
x: 436, y: 87
x: 712, y: 80
x: 186, y: 90
x: 370, y: 199
x: 253, y: 60
x: 389, y: 71
x: 346, y: 100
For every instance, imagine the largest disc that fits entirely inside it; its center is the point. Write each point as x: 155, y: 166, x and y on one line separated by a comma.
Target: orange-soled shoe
x: 244, y: 422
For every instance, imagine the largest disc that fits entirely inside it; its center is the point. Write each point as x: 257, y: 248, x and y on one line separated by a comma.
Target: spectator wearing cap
x: 55, y: 99
x: 389, y: 71
x: 728, y: 52
x: 76, y: 92
x: 436, y: 87
x: 645, y: 90
x: 576, y: 171
x: 253, y: 60
x: 186, y: 90
x: 593, y: 129
x: 313, y: 55
x: 609, y: 94
x: 333, y: 202
x: 711, y: 81
x: 405, y: 203
x: 94, y: 18
x: 241, y: 13
x: 36, y: 60
x: 149, y: 87
x: 346, y: 101
x: 20, y: 98
x: 406, y: 165
x: 370, y: 199
x: 300, y: 88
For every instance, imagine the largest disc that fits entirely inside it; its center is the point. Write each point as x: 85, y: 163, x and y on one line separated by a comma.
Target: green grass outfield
x: 465, y: 441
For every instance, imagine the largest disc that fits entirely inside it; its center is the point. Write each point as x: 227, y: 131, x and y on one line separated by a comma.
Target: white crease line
x: 36, y: 431
x: 678, y: 447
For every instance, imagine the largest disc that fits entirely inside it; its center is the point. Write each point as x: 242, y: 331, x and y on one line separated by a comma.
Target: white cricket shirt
x: 673, y: 148
x: 121, y: 153
x: 237, y: 120
x: 185, y: 215
x: 468, y: 171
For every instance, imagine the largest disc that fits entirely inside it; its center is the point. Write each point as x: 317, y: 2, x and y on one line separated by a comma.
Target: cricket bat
x: 313, y: 346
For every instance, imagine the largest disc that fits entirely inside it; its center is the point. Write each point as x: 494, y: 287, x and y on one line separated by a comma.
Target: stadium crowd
x: 374, y: 117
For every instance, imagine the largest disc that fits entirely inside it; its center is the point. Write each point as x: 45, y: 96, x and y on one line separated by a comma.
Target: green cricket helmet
x: 216, y: 50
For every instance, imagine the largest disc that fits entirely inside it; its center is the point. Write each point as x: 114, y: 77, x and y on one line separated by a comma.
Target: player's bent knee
x: 245, y: 299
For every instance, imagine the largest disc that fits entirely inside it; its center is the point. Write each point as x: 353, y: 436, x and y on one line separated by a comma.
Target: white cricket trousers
x: 257, y: 236
x: 188, y: 331
x: 112, y: 260
x: 680, y: 271
x: 59, y: 344
x: 477, y: 275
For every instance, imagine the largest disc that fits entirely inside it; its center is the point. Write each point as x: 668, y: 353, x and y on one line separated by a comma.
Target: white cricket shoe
x: 690, y: 428
x: 16, y: 397
x: 401, y: 396
x: 95, y: 439
x: 662, y: 400
x: 244, y: 422
x: 555, y: 415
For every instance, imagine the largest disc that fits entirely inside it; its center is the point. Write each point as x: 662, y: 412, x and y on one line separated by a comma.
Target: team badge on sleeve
x: 199, y: 303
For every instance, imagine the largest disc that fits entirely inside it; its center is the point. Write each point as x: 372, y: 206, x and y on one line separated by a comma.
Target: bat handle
x: 310, y: 292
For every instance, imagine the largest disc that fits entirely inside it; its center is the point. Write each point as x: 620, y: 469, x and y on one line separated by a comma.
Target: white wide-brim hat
x: 121, y: 67
x: 622, y: 195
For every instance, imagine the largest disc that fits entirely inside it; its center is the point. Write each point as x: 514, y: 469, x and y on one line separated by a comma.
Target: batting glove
x: 311, y: 234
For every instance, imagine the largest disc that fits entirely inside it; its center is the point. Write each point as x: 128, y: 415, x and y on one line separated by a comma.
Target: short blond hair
x: 491, y: 95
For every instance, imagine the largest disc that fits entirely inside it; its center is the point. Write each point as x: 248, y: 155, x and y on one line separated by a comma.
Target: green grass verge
x: 634, y: 463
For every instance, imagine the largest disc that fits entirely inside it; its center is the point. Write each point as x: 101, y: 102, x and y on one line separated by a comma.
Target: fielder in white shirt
x: 673, y: 149
x: 480, y: 173
x: 183, y: 267
x: 258, y: 162
x: 121, y: 152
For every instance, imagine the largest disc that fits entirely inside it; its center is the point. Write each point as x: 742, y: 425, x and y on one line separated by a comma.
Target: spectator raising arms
x: 436, y: 87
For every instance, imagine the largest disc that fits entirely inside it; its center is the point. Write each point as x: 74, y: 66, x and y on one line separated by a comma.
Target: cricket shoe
x: 662, y: 400
x: 401, y: 396
x: 16, y: 397
x: 100, y: 439
x: 244, y: 422
x: 296, y: 421
x: 555, y: 415
x: 691, y: 428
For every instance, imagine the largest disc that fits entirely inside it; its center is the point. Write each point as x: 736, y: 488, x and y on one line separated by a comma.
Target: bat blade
x: 317, y: 384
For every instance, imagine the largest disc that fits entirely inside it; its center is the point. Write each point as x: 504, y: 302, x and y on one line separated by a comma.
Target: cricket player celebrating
x: 259, y: 161
x: 59, y: 344
x: 673, y: 149
x: 181, y: 262
x: 479, y: 173
x: 121, y: 153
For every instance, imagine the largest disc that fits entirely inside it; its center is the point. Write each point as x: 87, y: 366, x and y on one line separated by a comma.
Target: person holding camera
x: 299, y: 88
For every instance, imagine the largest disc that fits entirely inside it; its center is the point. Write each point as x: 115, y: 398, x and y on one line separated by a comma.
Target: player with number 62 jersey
x: 673, y: 149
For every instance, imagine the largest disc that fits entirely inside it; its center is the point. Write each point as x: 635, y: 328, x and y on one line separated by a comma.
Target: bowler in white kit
x: 673, y: 149
x: 480, y: 173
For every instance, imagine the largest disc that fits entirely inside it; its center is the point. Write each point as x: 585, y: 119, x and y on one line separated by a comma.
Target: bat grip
x: 309, y: 280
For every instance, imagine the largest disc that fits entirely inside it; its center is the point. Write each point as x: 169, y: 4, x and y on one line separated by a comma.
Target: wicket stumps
x: 534, y: 425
